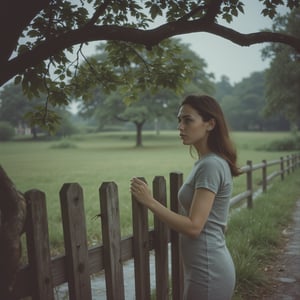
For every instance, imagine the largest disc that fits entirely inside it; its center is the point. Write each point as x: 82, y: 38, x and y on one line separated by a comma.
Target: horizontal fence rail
x: 286, y: 165
x: 43, y: 273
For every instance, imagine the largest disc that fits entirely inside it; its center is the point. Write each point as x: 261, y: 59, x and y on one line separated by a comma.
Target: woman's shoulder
x: 211, y: 159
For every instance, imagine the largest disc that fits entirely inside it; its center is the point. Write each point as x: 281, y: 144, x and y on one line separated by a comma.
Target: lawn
x: 93, y: 159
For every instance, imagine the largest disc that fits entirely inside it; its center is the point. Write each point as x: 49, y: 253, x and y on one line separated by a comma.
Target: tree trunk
x: 139, y: 127
x: 12, y: 220
x: 157, y: 126
x: 33, y: 132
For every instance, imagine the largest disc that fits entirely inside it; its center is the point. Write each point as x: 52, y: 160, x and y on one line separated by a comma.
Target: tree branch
x: 255, y: 37
x: 148, y: 38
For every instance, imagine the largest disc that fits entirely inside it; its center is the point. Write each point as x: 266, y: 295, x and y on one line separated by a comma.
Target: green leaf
x: 18, y: 79
x: 155, y: 11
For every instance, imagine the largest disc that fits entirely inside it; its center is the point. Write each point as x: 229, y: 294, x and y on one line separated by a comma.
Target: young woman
x: 209, y: 272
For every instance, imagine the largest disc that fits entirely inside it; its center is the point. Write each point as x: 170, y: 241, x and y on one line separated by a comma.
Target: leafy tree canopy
x: 52, y: 27
x: 38, y: 36
x: 127, y: 78
x: 133, y: 70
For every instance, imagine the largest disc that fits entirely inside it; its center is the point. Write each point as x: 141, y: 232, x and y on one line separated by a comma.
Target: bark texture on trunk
x: 12, y: 222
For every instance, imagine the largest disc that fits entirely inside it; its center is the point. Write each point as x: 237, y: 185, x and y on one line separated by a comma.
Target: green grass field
x: 93, y: 159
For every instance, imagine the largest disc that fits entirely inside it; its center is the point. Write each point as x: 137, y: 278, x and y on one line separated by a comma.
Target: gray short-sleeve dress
x: 209, y: 272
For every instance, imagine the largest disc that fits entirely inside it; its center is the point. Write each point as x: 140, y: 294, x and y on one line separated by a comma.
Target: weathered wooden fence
x: 42, y: 274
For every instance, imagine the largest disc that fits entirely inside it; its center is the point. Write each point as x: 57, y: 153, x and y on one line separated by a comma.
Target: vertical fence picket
x: 111, y: 237
x: 73, y: 217
x: 38, y: 245
x: 176, y: 180
x: 250, y: 184
x: 161, y: 242
x: 141, y: 250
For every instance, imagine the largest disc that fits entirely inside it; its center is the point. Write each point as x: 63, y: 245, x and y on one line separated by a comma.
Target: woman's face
x: 192, y: 129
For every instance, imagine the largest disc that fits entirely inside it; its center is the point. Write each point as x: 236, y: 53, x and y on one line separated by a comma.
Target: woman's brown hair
x: 219, y: 140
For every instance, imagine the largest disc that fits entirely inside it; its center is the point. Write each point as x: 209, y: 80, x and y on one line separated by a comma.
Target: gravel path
x: 285, y: 273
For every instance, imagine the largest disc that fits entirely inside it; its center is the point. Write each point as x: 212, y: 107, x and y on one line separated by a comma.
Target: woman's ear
x: 211, y: 124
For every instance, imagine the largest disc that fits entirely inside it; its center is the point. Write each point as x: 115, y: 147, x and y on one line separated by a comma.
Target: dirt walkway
x: 285, y: 273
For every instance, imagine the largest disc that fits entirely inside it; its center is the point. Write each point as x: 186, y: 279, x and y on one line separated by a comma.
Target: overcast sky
x: 226, y: 58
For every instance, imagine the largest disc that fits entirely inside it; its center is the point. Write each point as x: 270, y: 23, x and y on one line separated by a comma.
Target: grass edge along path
x: 254, y: 236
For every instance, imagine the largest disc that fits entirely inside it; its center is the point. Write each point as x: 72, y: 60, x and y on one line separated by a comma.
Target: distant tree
x: 134, y: 100
x: 14, y: 106
x: 16, y: 109
x: 200, y: 81
x: 244, y: 106
x: 283, y: 76
x: 6, y: 131
x: 38, y: 36
x: 66, y: 126
x: 149, y: 107
x: 223, y: 88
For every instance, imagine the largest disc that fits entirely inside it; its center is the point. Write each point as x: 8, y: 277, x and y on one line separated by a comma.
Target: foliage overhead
x: 42, y: 32
x: 133, y: 70
x: 37, y: 48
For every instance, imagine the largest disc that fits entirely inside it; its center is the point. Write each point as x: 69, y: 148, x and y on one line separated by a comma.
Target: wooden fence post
x: 38, y: 246
x: 293, y: 162
x: 111, y: 237
x: 264, y: 176
x: 176, y: 180
x: 288, y: 164
x: 161, y: 238
x: 76, y: 249
x: 250, y: 184
x: 141, y: 250
x: 282, y: 168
